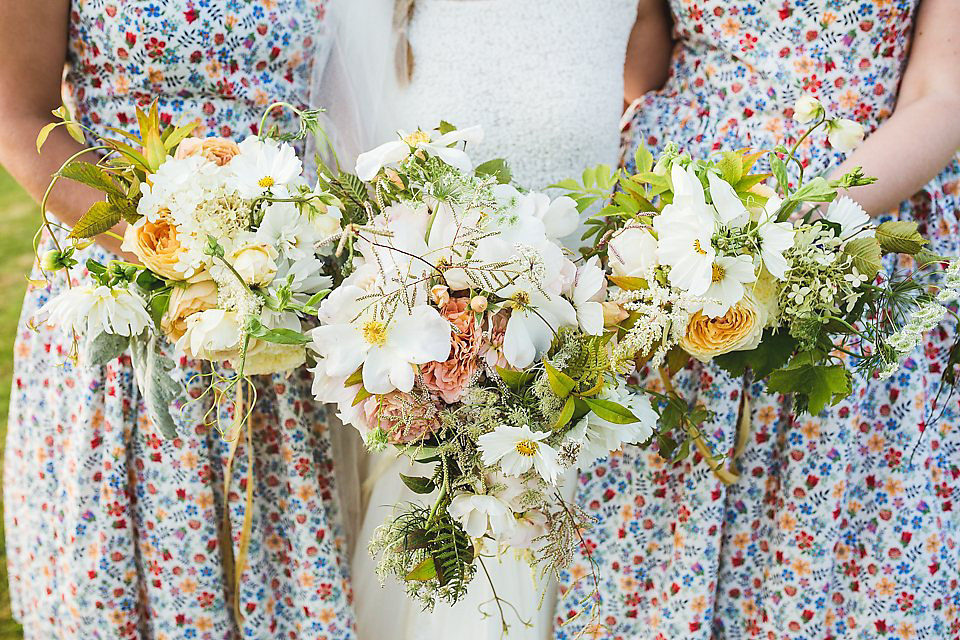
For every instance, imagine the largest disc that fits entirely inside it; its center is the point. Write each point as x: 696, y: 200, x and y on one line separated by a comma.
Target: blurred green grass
x: 20, y: 216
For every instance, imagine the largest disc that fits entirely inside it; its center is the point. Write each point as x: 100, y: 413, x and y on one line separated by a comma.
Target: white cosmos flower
x: 518, y: 449
x: 481, y: 514
x: 726, y: 287
x: 632, y: 253
x: 305, y: 277
x: 284, y: 227
x: 560, y: 217
x: 844, y: 135
x: 533, y: 320
x: 528, y: 529
x: 775, y: 238
x: 333, y: 390
x: 264, y: 165
x: 91, y: 311
x: 685, y: 234
x: 729, y: 207
x: 851, y: 217
x: 387, y: 349
x: 598, y: 438
x: 370, y: 163
x: 588, y: 293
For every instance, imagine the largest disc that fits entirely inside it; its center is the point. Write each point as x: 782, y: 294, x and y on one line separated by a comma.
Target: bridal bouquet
x: 226, y: 236
x: 467, y: 339
x: 708, y: 263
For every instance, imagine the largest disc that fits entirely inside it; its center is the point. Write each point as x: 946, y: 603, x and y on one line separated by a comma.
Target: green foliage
x: 900, y: 236
x: 419, y: 485
x: 561, y: 384
x: 106, y: 347
x: 814, y: 385
x: 611, y: 411
x: 496, y: 168
x: 773, y: 352
x: 100, y: 217
x: 159, y: 390
x: 865, y: 256
x: 277, y: 336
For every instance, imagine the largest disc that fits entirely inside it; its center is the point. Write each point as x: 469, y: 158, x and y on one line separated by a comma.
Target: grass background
x: 20, y: 216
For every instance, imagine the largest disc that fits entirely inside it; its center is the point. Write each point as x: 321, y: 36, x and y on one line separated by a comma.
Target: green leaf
x: 45, y: 133
x: 158, y: 305
x: 423, y: 572
x: 815, y: 385
x: 567, y: 185
x: 90, y: 175
x: 104, y: 348
x: 445, y: 127
x: 355, y: 378
x: 418, y: 485
x: 101, y: 217
x: 566, y: 414
x: 611, y: 411
x: 628, y: 283
x: 773, y: 352
x: 178, y: 135
x: 589, y: 177
x: 677, y: 359
x: 497, y: 168
x: 157, y: 387
x: 779, y: 170
x: 865, y: 254
x: 731, y: 167
x: 900, y: 236
x: 560, y: 383
x: 362, y: 395
x: 515, y: 379
x: 278, y: 336
x: 643, y: 159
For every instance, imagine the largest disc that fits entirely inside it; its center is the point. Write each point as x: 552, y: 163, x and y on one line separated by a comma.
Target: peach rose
x: 419, y: 417
x: 739, y: 330
x: 219, y: 151
x: 184, y: 302
x: 451, y: 377
x: 156, y: 245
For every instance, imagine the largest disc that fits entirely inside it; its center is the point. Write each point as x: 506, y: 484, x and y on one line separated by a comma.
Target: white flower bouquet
x: 466, y: 338
x: 706, y: 262
x: 229, y: 244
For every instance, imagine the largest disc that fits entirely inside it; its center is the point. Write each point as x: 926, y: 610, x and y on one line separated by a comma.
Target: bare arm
x: 923, y: 134
x: 33, y: 50
x: 649, y: 50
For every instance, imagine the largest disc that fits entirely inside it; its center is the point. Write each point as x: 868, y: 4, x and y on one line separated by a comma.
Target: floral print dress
x: 843, y: 525
x: 112, y: 531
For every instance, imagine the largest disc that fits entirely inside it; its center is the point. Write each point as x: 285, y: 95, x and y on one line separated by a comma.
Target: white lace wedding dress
x: 544, y: 78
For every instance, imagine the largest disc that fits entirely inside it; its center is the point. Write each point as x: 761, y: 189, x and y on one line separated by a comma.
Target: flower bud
x: 54, y: 260
x: 845, y: 135
x: 478, y: 304
x: 440, y: 295
x: 807, y: 109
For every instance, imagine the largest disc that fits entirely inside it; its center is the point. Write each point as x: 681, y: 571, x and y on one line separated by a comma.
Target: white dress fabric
x: 544, y: 78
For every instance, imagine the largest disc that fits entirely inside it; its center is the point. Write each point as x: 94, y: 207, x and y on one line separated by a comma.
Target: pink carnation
x: 419, y: 417
x: 450, y: 377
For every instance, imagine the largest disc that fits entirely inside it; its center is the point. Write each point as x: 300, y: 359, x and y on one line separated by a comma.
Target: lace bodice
x: 544, y: 78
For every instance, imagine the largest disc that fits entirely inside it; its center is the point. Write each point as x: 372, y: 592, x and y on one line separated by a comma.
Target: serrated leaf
x: 643, y: 159
x: 731, y: 167
x: 423, y: 572
x: 101, y: 217
x: 418, y: 485
x: 560, y: 383
x: 818, y: 384
x: 900, y: 236
x: 90, y: 175
x: 774, y: 351
x: 611, y: 411
x: 865, y: 255
x: 748, y: 182
x: 497, y: 168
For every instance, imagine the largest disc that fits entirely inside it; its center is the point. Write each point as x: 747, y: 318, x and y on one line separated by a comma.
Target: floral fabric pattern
x: 112, y: 531
x: 843, y: 525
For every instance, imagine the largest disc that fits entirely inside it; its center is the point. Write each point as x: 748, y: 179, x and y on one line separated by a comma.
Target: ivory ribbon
x: 234, y: 566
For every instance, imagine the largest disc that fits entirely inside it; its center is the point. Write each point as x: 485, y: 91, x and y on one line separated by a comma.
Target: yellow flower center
x: 719, y: 273
x: 417, y: 137
x: 527, y: 447
x: 266, y: 182
x: 375, y: 333
x: 521, y: 299
x: 698, y: 248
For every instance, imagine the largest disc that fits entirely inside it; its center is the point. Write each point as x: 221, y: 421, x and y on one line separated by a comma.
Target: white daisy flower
x: 598, y: 438
x: 91, y: 311
x: 387, y: 349
x: 730, y: 209
x: 264, y: 165
x: 481, y: 514
x: 518, y: 449
x: 775, y: 239
x: 726, y: 287
x: 589, y: 288
x: 851, y: 217
x: 370, y: 163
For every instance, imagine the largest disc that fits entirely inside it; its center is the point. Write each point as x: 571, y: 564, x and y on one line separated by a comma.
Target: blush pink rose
x: 450, y: 377
x: 419, y: 416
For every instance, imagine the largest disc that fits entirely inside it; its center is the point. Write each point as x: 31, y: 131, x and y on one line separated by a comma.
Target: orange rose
x: 739, y: 330
x: 219, y: 151
x: 184, y: 302
x: 156, y: 245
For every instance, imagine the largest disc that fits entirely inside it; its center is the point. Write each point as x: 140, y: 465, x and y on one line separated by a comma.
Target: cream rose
x: 267, y: 358
x: 256, y: 263
x: 214, y: 334
x: 186, y: 301
x: 156, y: 245
x: 845, y: 135
x: 219, y: 151
x: 739, y: 330
x: 632, y: 253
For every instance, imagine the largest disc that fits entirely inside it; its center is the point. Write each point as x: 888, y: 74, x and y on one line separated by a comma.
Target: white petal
x: 725, y: 200
x: 370, y: 163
